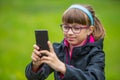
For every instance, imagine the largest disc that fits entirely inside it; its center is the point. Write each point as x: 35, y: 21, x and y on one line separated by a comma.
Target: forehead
x: 75, y: 16
x: 72, y: 24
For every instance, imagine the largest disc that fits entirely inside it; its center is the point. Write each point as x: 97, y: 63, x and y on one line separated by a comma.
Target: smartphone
x: 41, y: 39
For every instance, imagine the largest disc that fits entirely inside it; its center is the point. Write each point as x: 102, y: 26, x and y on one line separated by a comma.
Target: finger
x: 45, y: 52
x: 46, y: 60
x: 35, y: 57
x: 36, y: 52
x: 36, y: 47
x: 50, y: 47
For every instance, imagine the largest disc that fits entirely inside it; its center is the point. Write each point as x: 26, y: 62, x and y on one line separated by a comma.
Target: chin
x: 73, y: 44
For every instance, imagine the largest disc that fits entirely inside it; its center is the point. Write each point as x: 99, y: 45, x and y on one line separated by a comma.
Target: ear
x: 90, y: 30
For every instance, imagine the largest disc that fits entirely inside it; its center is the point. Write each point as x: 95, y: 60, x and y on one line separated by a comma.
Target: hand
x: 52, y: 60
x: 36, y: 58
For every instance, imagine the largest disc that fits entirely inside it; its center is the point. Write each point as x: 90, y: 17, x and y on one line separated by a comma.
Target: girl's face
x: 75, y: 33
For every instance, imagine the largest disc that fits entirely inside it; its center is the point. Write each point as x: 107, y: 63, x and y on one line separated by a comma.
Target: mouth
x: 71, y: 38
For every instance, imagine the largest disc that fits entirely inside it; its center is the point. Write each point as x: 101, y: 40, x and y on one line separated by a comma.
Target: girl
x: 79, y: 56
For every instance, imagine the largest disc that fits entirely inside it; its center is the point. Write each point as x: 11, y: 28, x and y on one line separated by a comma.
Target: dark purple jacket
x: 87, y: 63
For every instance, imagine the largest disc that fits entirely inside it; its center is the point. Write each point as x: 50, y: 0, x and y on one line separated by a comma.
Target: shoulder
x: 96, y: 46
x: 93, y: 49
x: 96, y: 51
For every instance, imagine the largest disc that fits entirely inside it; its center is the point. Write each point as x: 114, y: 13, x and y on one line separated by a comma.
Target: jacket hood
x: 98, y: 43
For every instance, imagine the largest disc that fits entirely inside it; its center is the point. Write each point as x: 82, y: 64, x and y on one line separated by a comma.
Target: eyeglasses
x: 75, y: 29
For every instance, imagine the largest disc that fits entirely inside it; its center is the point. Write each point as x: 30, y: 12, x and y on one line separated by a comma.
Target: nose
x: 70, y: 31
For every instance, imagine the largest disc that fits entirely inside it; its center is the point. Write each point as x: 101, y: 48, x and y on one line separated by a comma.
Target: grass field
x: 19, y: 19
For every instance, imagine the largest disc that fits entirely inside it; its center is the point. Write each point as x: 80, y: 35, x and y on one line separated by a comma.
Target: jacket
x: 87, y: 63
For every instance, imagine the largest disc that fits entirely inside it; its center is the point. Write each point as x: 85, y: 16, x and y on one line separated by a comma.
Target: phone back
x: 41, y: 39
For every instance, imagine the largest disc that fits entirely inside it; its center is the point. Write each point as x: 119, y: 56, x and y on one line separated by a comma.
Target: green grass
x: 19, y: 19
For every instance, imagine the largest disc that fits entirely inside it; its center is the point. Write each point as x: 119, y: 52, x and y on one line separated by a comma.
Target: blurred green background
x: 19, y: 19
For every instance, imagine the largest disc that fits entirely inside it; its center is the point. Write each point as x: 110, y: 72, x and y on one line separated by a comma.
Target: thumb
x: 50, y: 47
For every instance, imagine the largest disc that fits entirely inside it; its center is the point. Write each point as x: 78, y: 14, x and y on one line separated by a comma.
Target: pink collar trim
x: 91, y: 40
x: 66, y: 42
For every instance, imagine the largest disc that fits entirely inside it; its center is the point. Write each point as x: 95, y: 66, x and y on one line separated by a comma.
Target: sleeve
x: 41, y: 74
x: 94, y: 70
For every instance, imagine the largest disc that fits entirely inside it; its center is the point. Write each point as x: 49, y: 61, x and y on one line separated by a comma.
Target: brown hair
x: 77, y: 16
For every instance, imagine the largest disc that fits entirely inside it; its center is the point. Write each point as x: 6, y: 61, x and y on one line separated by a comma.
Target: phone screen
x: 41, y: 39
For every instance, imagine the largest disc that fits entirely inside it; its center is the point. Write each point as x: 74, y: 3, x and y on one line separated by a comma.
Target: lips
x: 71, y: 38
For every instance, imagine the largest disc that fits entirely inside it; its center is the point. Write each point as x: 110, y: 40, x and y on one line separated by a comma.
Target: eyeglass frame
x: 80, y: 28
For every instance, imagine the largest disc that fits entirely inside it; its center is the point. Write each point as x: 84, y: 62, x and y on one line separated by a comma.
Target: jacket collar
x: 87, y: 46
x: 77, y: 50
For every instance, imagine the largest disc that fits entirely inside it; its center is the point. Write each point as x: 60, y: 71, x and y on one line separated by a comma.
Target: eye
x: 76, y: 28
x: 66, y: 27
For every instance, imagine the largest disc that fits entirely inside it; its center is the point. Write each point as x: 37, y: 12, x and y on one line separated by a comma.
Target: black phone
x: 41, y: 39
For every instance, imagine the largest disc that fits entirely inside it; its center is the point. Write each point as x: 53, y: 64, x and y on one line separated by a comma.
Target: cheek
x: 82, y: 36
